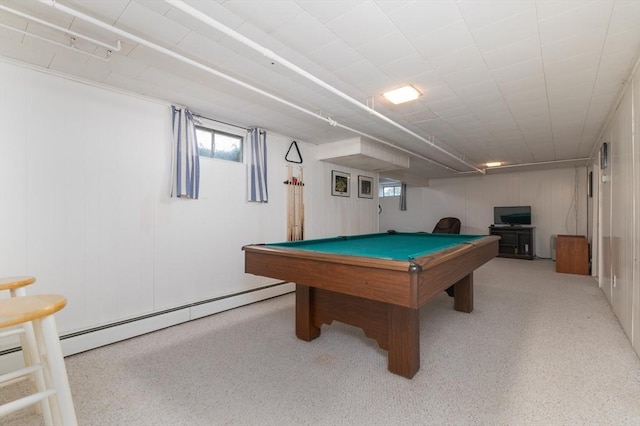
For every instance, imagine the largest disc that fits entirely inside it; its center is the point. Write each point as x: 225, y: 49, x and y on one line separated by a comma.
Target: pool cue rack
x: 295, y: 204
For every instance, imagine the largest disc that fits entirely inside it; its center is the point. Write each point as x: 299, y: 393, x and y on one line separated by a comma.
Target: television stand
x: 515, y: 241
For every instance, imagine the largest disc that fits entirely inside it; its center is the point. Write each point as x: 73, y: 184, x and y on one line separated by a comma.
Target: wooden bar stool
x: 16, y: 286
x: 39, y: 310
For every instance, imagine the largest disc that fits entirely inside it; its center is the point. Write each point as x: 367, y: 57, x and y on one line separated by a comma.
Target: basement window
x: 390, y: 190
x: 213, y: 143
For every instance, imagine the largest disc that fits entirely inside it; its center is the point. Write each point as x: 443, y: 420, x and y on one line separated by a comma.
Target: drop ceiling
x: 519, y: 82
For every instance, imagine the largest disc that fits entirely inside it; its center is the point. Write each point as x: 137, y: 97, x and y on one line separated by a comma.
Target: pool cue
x: 289, y: 203
x: 301, y: 204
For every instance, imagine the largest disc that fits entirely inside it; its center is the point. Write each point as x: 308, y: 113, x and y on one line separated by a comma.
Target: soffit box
x: 403, y: 176
x: 363, y: 154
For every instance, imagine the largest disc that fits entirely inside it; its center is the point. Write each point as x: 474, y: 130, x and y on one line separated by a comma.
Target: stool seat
x: 12, y: 283
x: 18, y: 310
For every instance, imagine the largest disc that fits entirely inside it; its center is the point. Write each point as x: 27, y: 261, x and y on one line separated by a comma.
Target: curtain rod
x: 220, y: 121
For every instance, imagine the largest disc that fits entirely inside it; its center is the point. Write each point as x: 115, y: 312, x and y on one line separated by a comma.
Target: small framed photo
x: 340, y: 184
x: 365, y: 187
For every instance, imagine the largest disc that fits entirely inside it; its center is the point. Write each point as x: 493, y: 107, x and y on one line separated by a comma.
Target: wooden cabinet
x: 572, y: 254
x: 515, y: 241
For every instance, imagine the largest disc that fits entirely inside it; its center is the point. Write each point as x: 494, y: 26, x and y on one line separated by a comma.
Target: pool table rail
x: 342, y: 274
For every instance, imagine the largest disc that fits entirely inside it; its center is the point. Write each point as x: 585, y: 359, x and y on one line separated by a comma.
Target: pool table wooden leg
x: 404, y: 340
x: 305, y: 327
x: 463, y: 298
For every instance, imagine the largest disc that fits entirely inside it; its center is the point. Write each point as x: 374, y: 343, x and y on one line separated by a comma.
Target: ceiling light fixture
x: 402, y: 94
x: 495, y: 164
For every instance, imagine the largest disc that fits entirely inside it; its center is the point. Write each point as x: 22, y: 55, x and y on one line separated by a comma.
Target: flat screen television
x: 512, y: 215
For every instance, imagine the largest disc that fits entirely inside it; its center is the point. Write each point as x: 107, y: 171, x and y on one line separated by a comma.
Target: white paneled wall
x: 557, y: 198
x: 636, y: 215
x: 85, y: 206
x: 619, y: 225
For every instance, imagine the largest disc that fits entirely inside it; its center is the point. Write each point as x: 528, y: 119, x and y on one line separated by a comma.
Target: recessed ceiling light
x: 495, y: 164
x: 403, y: 94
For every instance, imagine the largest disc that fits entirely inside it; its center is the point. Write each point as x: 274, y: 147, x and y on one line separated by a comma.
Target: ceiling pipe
x: 224, y: 76
x: 71, y: 47
x: 171, y: 53
x: 273, y: 56
x: 535, y: 163
x: 115, y: 48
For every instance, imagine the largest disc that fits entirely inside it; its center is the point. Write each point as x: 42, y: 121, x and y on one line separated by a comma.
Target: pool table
x: 377, y: 282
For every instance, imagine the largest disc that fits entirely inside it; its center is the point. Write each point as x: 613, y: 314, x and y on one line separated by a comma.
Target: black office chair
x: 448, y: 225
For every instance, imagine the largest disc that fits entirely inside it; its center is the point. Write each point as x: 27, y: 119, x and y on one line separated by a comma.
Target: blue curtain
x: 185, y: 163
x: 257, y: 166
x: 403, y: 196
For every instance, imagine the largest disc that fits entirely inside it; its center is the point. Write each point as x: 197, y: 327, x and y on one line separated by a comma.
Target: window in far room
x: 216, y: 144
x: 390, y: 189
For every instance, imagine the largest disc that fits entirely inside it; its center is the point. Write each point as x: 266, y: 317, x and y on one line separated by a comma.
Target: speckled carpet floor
x: 540, y: 348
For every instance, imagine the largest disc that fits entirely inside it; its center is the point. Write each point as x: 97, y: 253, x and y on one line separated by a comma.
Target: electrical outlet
x: 614, y: 281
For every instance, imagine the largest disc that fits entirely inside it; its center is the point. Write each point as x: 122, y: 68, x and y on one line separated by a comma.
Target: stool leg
x: 32, y: 357
x: 58, y: 371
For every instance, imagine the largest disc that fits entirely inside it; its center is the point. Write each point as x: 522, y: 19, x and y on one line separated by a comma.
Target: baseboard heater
x: 84, y: 340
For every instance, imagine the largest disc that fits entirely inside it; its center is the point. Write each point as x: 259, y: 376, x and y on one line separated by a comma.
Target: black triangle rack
x: 286, y: 157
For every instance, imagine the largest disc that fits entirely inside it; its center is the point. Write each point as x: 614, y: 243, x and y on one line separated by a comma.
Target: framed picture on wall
x: 340, y: 184
x: 365, y: 187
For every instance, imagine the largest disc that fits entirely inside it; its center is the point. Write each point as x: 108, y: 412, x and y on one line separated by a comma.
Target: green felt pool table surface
x: 388, y: 245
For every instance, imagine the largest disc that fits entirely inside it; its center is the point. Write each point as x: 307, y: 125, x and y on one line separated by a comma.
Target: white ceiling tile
x: 412, y: 65
x: 450, y: 115
x: 445, y: 104
x: 625, y: 16
x: 268, y: 16
x: 559, y: 50
x: 39, y: 56
x: 365, y: 77
x: 465, y: 76
x: 363, y: 23
x: 443, y: 41
x: 568, y: 65
x: 512, y: 53
x: 423, y: 17
x: 128, y: 82
x: 195, y: 46
x: 587, y: 17
x: 140, y: 20
x: 505, y: 32
x: 106, y: 11
x: 211, y: 8
x: 127, y: 66
x: 479, y: 89
x: 389, y: 47
x: 513, y: 86
x: 520, y: 71
x: 568, y: 83
x: 625, y: 41
x: 81, y: 66
x: 315, y: 34
x: 467, y: 57
x: 334, y: 55
x: 479, y: 14
x: 324, y: 14
x: 430, y: 82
